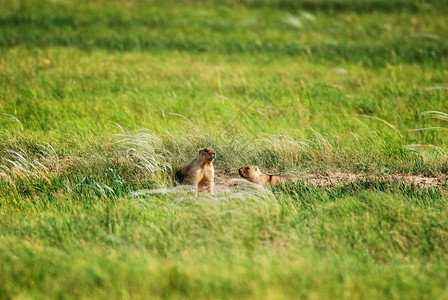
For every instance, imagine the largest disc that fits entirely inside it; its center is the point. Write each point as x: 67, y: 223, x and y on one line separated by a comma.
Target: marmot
x: 254, y: 174
x: 200, y: 172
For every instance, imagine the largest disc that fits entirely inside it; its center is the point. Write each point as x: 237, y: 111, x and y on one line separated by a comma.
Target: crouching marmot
x: 200, y: 172
x: 254, y: 174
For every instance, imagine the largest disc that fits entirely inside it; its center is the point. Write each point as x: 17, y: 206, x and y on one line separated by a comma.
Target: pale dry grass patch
x: 145, y: 151
x: 18, y: 165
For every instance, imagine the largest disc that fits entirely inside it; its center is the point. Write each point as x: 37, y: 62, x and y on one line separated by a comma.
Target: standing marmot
x: 254, y: 174
x: 200, y: 172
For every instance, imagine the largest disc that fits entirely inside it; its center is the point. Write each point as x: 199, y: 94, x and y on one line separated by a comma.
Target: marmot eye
x: 247, y: 168
x: 205, y: 150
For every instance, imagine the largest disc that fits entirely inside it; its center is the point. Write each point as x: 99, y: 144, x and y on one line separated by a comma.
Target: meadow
x: 100, y: 101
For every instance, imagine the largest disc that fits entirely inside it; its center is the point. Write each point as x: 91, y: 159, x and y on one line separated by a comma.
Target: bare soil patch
x: 338, y: 178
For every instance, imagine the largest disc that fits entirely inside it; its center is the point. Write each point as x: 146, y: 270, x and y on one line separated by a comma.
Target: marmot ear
x: 257, y: 169
x: 199, y: 150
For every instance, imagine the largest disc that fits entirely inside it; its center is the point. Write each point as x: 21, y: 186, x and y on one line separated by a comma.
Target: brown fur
x: 200, y: 172
x: 254, y: 174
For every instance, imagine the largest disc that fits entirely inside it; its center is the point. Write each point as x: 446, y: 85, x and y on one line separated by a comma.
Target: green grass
x: 340, y: 243
x: 100, y: 101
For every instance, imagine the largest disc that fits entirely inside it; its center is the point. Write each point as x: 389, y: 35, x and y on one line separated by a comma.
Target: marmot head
x: 207, y: 154
x: 250, y: 172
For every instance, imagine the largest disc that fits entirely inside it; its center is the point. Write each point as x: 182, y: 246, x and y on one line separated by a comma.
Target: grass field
x: 101, y: 100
